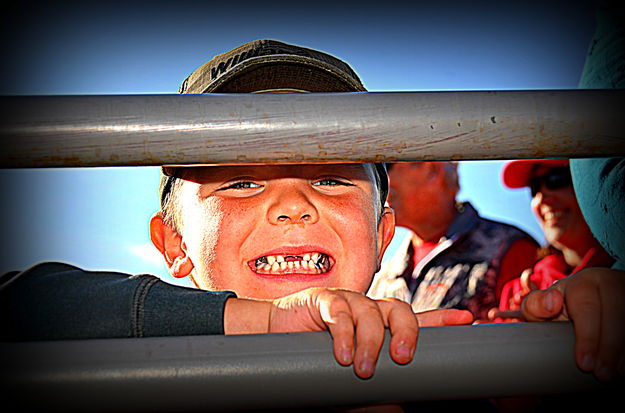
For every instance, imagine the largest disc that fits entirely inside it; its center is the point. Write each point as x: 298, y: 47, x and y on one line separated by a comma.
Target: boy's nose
x: 292, y: 207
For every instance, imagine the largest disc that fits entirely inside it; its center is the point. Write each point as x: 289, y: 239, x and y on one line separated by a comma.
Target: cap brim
x: 269, y: 72
x: 517, y: 174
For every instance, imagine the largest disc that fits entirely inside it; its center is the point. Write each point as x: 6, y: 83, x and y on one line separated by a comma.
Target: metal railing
x: 287, y: 370
x: 269, y: 128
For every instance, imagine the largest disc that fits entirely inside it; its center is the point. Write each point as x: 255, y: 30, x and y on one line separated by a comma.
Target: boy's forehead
x: 219, y: 173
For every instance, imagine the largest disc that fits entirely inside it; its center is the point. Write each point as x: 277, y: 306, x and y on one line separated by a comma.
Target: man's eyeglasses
x: 556, y: 178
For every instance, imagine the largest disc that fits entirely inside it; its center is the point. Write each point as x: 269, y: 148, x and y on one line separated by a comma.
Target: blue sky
x: 98, y: 218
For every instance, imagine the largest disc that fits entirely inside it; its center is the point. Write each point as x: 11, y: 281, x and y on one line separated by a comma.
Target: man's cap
x: 518, y: 174
x: 266, y: 65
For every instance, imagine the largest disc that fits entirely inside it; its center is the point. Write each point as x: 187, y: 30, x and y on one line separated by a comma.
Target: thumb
x: 541, y: 305
x: 526, y: 284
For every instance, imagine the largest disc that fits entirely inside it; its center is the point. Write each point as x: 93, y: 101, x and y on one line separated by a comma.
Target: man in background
x: 455, y: 258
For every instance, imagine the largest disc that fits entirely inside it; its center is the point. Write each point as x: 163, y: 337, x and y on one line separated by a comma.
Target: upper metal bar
x: 50, y: 131
x: 287, y: 370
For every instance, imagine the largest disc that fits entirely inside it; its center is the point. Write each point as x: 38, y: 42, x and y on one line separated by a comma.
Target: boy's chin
x: 271, y: 290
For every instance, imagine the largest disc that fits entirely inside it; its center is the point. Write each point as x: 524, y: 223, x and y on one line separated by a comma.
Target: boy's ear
x: 171, y: 245
x: 386, y: 230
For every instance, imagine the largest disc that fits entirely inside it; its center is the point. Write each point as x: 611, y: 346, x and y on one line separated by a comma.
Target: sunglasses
x: 556, y: 178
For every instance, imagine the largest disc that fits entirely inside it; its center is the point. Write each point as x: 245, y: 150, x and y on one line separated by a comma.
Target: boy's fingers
x: 404, y: 328
x: 343, y: 339
x: 337, y: 315
x: 347, y: 314
x: 447, y: 317
x: 541, y: 305
x: 369, y: 334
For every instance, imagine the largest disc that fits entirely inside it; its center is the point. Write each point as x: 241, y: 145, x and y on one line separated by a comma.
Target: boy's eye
x: 329, y: 182
x: 242, y: 185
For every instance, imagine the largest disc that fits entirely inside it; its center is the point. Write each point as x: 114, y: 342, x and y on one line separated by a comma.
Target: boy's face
x: 240, y: 222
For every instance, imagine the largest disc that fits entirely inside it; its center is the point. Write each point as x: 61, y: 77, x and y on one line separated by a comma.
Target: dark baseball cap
x: 270, y: 66
x: 267, y: 65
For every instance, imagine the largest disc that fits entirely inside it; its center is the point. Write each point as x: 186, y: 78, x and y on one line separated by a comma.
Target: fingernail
x: 366, y: 367
x: 588, y: 362
x: 346, y: 356
x: 404, y: 351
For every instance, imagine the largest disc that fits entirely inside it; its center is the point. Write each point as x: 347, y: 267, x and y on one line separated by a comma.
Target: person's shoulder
x: 510, y: 230
x: 42, y: 268
x: 51, y: 272
x: 472, y: 220
x: 48, y: 267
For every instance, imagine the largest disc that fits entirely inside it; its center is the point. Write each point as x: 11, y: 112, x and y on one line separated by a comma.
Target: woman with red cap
x: 571, y: 245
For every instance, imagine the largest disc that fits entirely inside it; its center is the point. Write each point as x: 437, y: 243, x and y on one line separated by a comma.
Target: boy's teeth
x: 311, y: 263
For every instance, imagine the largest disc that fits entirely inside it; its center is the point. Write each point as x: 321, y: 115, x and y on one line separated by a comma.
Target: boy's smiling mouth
x: 283, y: 264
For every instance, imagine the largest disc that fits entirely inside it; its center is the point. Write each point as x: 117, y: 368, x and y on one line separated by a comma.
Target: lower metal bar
x: 287, y: 370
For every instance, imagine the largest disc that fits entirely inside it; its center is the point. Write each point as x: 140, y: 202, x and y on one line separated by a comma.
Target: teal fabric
x: 600, y: 183
x: 605, y: 66
x: 600, y: 190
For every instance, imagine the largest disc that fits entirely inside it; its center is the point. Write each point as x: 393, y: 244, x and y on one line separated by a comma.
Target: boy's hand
x: 594, y: 300
x: 348, y: 314
x: 345, y: 314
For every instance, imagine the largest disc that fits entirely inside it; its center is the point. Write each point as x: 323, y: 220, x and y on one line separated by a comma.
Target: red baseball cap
x: 517, y: 174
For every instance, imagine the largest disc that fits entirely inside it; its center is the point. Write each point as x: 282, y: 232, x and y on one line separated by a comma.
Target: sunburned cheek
x: 226, y: 236
x: 353, y: 208
x: 202, y: 229
x: 357, y: 226
x: 355, y: 219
